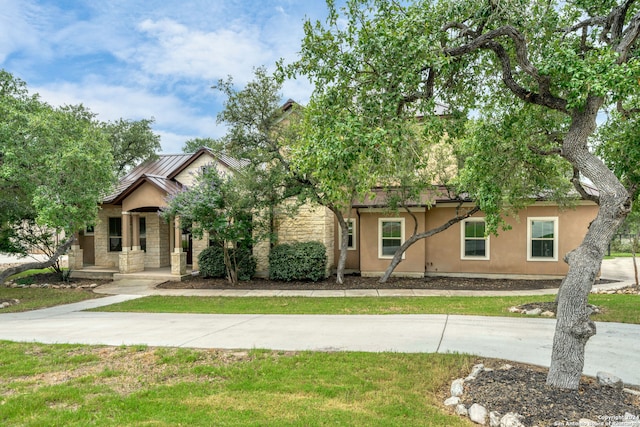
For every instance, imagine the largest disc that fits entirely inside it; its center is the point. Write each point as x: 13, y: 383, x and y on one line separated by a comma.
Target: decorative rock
x: 478, y: 414
x: 609, y: 380
x: 93, y: 285
x: 4, y: 305
x: 511, y: 419
x: 457, y: 387
x: 548, y: 313
x: 452, y: 401
x: 476, y: 370
x: 534, y: 312
x: 514, y: 309
x: 494, y: 419
x: 506, y: 367
x: 462, y: 410
x: 34, y: 286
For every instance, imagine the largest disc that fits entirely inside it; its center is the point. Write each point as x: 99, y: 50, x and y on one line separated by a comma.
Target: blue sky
x: 136, y: 59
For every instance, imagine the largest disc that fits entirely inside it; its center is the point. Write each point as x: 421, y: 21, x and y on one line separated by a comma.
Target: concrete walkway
x: 614, y: 349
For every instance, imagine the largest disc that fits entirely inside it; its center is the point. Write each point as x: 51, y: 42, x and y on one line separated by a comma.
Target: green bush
x: 298, y: 261
x: 211, y: 262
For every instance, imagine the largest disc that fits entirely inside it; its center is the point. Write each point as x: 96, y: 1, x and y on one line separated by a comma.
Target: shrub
x: 211, y: 262
x: 298, y: 261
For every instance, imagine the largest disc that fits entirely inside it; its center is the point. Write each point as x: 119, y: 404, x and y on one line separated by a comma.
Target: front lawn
x: 74, y: 385
x: 616, y: 308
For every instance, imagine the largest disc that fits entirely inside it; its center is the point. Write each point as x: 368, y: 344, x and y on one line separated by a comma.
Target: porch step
x: 92, y: 274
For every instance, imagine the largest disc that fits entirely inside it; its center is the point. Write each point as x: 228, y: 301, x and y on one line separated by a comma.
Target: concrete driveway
x: 614, y: 349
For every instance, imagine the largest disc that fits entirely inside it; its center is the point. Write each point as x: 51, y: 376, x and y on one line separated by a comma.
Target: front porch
x: 113, y: 273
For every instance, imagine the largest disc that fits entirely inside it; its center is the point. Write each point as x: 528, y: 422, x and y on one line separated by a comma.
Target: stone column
x: 136, y: 231
x: 76, y: 256
x: 178, y: 258
x: 126, y: 231
x: 131, y: 259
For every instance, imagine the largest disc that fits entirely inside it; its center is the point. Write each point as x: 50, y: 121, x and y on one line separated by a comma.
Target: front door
x: 87, y: 246
x: 187, y: 245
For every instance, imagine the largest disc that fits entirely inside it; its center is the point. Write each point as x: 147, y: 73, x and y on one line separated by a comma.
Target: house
x: 131, y: 237
x: 533, y: 248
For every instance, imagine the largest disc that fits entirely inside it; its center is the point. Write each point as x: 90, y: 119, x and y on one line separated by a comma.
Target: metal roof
x: 162, y: 171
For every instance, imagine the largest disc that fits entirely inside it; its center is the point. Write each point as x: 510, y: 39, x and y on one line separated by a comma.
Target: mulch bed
x: 359, y: 282
x: 523, y: 390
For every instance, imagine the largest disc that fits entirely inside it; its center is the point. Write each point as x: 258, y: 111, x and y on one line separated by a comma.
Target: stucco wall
x: 370, y: 263
x: 508, y: 250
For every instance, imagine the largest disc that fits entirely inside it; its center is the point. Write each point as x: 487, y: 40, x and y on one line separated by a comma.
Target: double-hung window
x: 351, y: 227
x: 390, y: 236
x: 542, y: 239
x: 474, y: 243
x: 115, y: 234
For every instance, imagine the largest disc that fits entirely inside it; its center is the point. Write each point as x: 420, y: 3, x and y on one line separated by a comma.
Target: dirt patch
x: 523, y: 389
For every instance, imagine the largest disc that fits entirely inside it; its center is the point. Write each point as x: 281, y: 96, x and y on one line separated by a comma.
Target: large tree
x: 542, y: 69
x: 132, y: 142
x: 55, y: 167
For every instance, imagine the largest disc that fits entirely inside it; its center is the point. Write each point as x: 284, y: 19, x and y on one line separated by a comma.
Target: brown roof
x: 162, y: 171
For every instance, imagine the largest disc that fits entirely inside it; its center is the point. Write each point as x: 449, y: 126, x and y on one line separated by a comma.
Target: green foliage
x: 55, y: 165
x: 212, y: 263
x: 298, y: 261
x: 132, y: 142
x: 218, y: 206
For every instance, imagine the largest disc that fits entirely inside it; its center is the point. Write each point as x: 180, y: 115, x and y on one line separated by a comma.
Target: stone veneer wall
x: 157, y: 253
x: 198, y: 245
x: 103, y: 257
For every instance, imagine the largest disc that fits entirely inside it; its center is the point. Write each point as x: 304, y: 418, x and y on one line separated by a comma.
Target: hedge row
x: 298, y: 261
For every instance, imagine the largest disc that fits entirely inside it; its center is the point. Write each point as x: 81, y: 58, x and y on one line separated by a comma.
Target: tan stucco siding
x: 508, y: 250
x: 187, y: 176
x: 370, y: 261
x: 353, y: 255
x: 145, y: 196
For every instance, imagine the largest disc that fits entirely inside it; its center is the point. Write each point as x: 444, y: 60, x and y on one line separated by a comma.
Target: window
x: 115, y: 234
x: 351, y: 226
x: 542, y: 239
x: 143, y: 233
x: 89, y: 230
x: 391, y: 236
x: 474, y: 243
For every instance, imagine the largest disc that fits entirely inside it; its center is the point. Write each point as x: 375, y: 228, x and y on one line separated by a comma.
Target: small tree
x: 217, y: 204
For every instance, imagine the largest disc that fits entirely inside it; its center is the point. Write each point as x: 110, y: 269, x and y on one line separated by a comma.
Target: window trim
x: 463, y: 239
x: 354, y: 245
x: 402, y: 236
x: 556, y: 238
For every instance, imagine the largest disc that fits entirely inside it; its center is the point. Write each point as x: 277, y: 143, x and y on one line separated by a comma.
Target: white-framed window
x: 473, y: 242
x: 390, y: 236
x: 542, y: 238
x: 351, y: 226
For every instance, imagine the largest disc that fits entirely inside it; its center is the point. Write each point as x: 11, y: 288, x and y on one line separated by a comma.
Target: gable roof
x: 162, y: 171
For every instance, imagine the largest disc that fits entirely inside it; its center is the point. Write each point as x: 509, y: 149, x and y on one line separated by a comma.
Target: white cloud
x: 176, y: 50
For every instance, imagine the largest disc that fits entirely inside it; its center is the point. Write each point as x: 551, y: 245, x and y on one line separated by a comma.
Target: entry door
x: 187, y: 245
x: 87, y: 246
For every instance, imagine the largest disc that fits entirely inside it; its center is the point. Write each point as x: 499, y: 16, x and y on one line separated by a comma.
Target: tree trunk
x: 4, y: 275
x: 344, y: 244
x: 573, y: 326
x: 634, y: 247
x: 397, y: 257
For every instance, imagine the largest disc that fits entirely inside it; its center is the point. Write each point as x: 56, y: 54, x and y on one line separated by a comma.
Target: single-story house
x: 131, y: 237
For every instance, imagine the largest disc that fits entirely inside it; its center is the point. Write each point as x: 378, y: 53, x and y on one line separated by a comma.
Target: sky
x: 142, y: 59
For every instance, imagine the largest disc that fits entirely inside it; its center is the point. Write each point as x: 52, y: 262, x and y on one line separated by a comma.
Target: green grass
x: 74, y: 385
x: 617, y: 308
x: 33, y: 299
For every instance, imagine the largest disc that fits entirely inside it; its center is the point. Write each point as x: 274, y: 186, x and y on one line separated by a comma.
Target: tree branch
x: 488, y: 41
x: 575, y: 180
x: 37, y: 265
